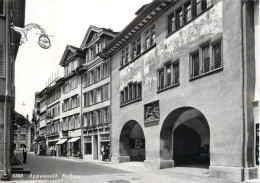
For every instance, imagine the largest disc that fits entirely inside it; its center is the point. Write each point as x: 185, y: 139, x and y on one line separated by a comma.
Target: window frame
x: 164, y: 86
x: 3, y: 14
x: 211, y: 44
x: 149, y: 37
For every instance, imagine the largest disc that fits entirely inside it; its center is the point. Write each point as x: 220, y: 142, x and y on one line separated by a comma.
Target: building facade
x: 96, y: 93
x: 11, y: 13
x: 72, y: 113
x: 23, y: 132
x: 183, y: 87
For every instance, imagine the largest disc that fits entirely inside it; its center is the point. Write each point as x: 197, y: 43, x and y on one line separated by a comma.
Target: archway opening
x: 132, y: 141
x: 185, y: 138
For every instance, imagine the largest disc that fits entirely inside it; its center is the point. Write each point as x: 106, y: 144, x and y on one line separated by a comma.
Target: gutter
x: 5, y: 176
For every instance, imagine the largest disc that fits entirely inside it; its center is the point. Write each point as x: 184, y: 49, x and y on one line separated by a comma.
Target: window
x: 91, y: 77
x: 66, y: 87
x: 77, y: 121
x: 91, y: 97
x: 195, y: 64
x: 98, y: 73
x: 150, y: 37
x: 179, y: 22
x: 105, y: 115
x: 187, y: 12
x: 97, y: 116
x: 161, y: 79
x: 171, y: 23
x: 98, y: 47
x: 2, y: 8
x: 74, y: 83
x: 136, y: 48
x: 168, y: 76
x: 105, y: 92
x: 88, y: 148
x: 106, y: 69
x: 124, y: 57
x: 90, y: 53
x: 132, y: 92
x: 198, y: 7
x: 217, y: 55
x: 211, y: 59
x: 99, y: 95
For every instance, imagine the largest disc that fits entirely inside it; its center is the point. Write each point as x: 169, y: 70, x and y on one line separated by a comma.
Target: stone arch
x: 132, y: 142
x: 181, y: 130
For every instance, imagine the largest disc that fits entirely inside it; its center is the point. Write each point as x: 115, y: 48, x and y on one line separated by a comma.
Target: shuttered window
x: 2, y: 61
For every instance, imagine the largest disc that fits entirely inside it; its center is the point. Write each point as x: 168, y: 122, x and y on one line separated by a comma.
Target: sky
x: 66, y: 22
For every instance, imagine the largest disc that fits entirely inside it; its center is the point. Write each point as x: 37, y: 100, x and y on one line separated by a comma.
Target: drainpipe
x: 7, y: 93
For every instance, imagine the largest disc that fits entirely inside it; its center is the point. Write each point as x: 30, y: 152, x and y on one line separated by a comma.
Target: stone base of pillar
x: 120, y: 159
x: 233, y: 173
x: 159, y: 164
x: 251, y: 173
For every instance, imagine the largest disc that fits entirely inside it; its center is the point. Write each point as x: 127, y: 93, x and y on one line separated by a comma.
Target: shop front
x: 61, y: 147
x: 74, y: 145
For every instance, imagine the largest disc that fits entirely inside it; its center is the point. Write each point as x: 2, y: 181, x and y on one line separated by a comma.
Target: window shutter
x: 2, y: 61
x: 101, y: 71
x: 78, y: 100
x: 70, y: 103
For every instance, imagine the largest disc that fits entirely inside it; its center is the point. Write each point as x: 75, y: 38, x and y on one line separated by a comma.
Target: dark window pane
x: 168, y: 75
x: 205, y: 58
x: 195, y: 64
x: 161, y: 79
x: 176, y: 73
x: 216, y: 48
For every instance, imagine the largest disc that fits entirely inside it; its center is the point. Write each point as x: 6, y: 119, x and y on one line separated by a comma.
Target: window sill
x: 95, y: 103
x: 168, y: 87
x: 151, y: 47
x: 96, y: 82
x: 207, y: 73
x: 137, y: 100
x: 148, y: 49
x: 189, y: 21
x: 70, y: 109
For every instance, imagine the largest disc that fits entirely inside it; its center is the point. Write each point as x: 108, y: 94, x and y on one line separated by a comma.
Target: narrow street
x: 52, y: 169
x: 49, y: 168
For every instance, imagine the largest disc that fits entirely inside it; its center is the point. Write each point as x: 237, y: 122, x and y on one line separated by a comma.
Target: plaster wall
x: 216, y: 95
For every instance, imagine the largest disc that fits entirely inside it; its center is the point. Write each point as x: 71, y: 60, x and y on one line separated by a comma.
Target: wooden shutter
x: 2, y: 61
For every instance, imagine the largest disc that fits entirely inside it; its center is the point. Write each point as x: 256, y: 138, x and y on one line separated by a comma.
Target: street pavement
x: 53, y: 169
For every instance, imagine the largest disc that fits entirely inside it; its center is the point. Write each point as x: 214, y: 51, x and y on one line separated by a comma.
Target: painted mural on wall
x: 180, y: 42
x: 145, y: 68
x: 132, y: 72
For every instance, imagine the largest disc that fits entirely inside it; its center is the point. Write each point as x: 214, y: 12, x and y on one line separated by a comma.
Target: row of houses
x: 177, y: 86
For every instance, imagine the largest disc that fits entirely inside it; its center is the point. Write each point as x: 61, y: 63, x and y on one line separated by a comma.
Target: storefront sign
x: 151, y: 114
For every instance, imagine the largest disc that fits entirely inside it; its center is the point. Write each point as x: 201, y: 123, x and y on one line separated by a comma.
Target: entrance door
x: 95, y: 147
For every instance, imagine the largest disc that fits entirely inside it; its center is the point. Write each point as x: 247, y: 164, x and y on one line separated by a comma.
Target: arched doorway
x: 132, y: 141
x: 185, y: 138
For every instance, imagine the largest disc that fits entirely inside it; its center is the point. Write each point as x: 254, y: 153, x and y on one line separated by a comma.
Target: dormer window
x: 90, y: 53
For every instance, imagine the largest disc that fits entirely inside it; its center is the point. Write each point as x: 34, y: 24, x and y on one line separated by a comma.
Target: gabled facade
x: 96, y: 92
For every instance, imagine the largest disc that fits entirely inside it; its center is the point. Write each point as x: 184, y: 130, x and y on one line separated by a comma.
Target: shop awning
x: 61, y: 141
x: 74, y: 139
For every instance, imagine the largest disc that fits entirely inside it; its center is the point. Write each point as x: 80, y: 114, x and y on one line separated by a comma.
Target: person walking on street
x: 103, y: 152
x: 51, y: 149
x: 24, y: 154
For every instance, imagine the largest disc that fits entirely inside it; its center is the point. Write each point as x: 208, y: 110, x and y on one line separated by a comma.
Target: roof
x: 70, y: 53
x: 145, y: 15
x: 19, y: 116
x: 99, y: 31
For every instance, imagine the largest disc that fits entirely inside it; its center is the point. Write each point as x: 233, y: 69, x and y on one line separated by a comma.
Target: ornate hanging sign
x: 43, y: 41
